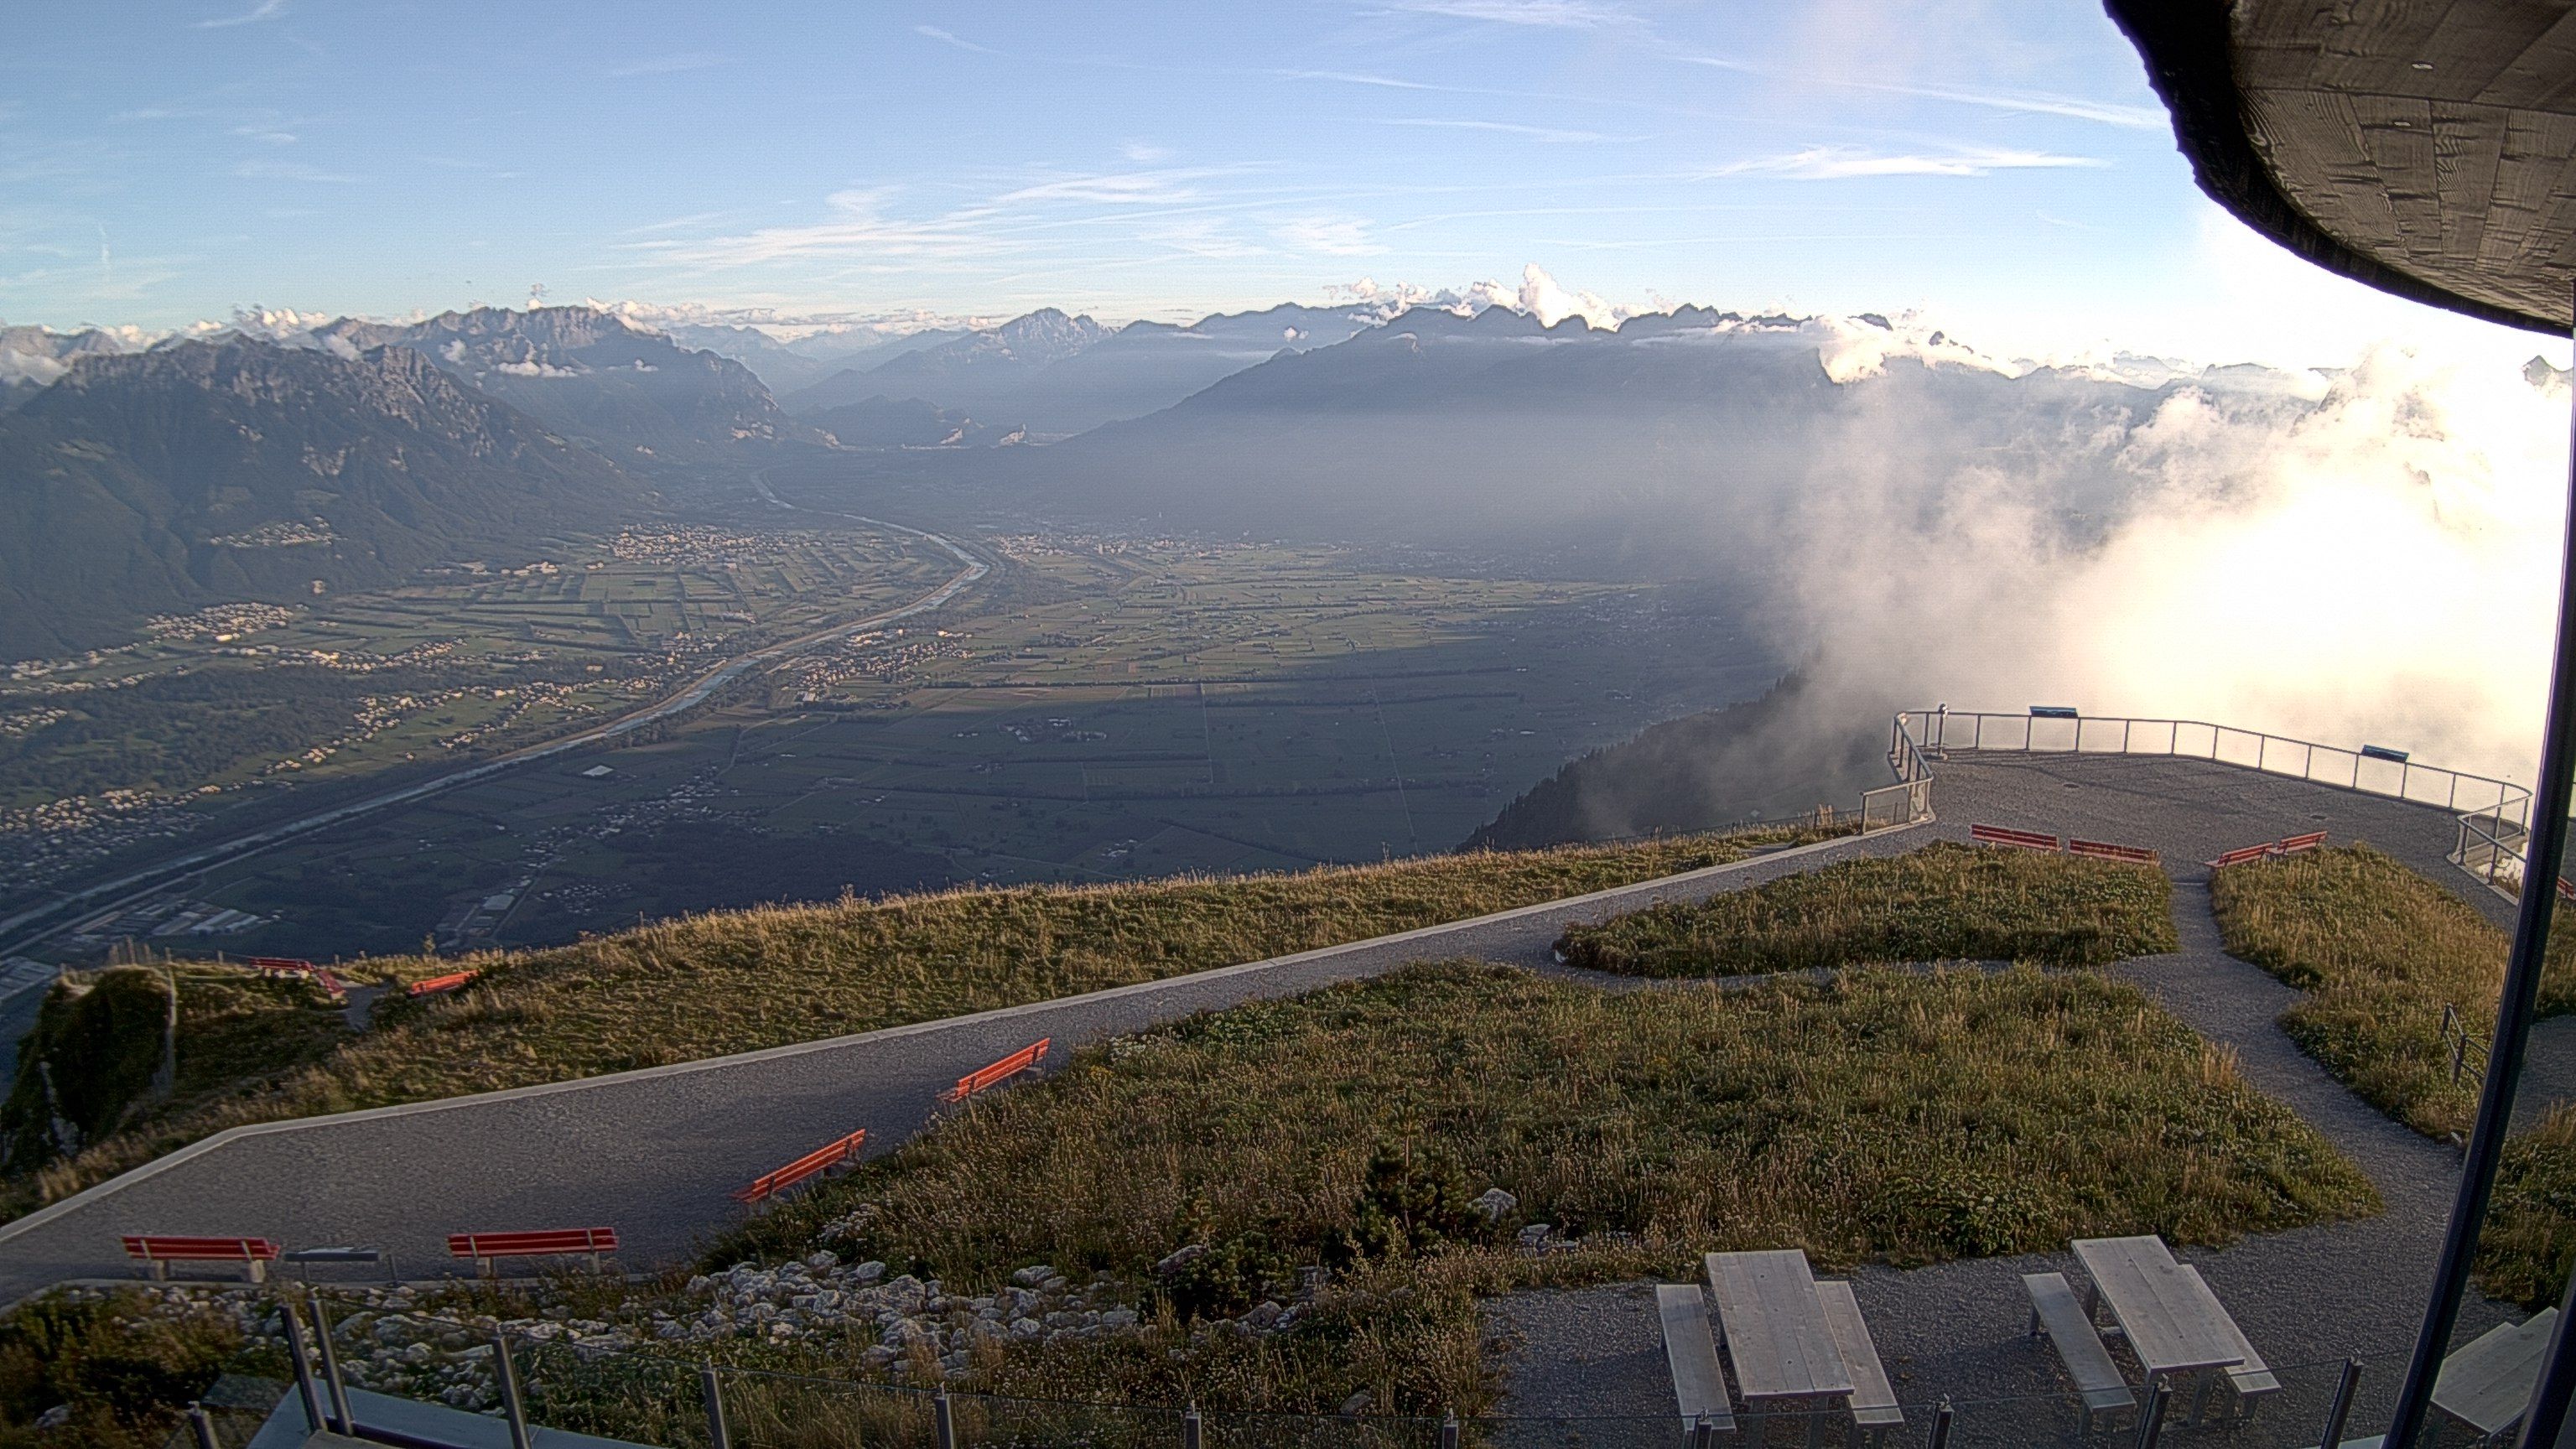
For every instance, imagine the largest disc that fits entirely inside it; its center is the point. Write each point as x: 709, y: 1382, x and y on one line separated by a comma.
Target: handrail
x: 2492, y: 814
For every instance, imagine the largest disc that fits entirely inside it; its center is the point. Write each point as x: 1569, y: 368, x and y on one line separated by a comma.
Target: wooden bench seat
x: 1690, y: 1346
x: 1873, y: 1398
x: 2252, y: 1380
x: 2055, y: 1311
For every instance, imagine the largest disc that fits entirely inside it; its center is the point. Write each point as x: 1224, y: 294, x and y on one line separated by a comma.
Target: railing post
x: 1190, y: 1427
x: 2341, y: 1408
x: 1703, y: 1434
x: 331, y: 1370
x: 944, y: 1416
x: 711, y: 1389
x: 1448, y: 1431
x: 202, y: 1427
x: 303, y: 1358
x: 1940, y: 1427
x: 506, y: 1374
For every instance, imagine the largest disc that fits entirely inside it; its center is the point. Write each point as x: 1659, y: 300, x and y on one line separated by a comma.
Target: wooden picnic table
x: 2174, y: 1324
x: 2487, y: 1384
x: 1776, y: 1330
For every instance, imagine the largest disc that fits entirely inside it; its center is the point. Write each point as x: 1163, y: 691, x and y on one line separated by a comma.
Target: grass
x: 1943, y: 902
x: 122, y: 1370
x: 2529, y: 1241
x: 2378, y: 951
x: 728, y: 982
x: 1895, y: 1115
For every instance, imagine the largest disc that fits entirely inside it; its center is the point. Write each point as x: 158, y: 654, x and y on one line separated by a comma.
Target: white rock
x: 1496, y: 1204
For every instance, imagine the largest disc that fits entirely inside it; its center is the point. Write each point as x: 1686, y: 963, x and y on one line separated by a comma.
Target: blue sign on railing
x: 2053, y: 711
x: 2383, y: 752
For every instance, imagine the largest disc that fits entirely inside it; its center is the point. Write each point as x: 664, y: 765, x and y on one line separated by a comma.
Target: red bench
x: 2269, y: 850
x: 2105, y: 850
x: 1998, y: 835
x: 550, y: 1243
x: 821, y: 1159
x: 1026, y: 1059
x: 432, y: 985
x: 157, y: 1252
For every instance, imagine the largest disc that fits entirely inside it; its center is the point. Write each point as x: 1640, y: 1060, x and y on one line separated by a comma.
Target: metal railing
x: 2491, y: 814
x: 2468, y: 1052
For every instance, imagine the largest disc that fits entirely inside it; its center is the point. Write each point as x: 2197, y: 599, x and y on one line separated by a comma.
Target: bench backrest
x: 2296, y: 843
x: 431, y: 985
x: 2002, y: 835
x: 532, y: 1244
x: 151, y: 1247
x: 2105, y: 850
x: 821, y: 1159
x: 1024, y: 1060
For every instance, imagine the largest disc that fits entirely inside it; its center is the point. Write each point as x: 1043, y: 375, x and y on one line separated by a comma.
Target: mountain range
x: 151, y: 482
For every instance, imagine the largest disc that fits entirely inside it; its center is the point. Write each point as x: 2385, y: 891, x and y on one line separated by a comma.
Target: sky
x: 2001, y: 167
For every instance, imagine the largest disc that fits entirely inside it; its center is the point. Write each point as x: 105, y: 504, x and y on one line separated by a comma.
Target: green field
x: 1098, y: 710
x: 231, y: 713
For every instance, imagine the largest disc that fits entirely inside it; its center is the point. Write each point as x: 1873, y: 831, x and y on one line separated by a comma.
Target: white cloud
x: 535, y: 369
x: 1841, y: 163
x: 1204, y: 236
x: 1509, y: 128
x: 1145, y: 152
x: 289, y: 171
x: 1333, y: 236
x: 264, y: 10
x: 1544, y: 14
x: 946, y: 37
x: 1128, y: 188
x: 857, y: 226
x: 1543, y: 297
x: 2036, y: 103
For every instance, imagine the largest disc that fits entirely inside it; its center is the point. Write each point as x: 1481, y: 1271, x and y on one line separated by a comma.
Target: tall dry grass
x: 1941, y: 903
x: 1893, y: 1115
x: 2378, y: 951
x: 735, y: 981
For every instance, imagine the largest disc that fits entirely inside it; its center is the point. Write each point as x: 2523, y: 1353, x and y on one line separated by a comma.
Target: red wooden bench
x: 432, y: 985
x: 2105, y: 850
x: 549, y: 1243
x: 1999, y: 835
x: 1026, y: 1059
x: 2269, y: 850
x: 157, y: 1252
x: 821, y: 1159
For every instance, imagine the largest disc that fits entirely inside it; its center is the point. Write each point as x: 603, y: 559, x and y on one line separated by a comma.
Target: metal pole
x: 2341, y: 1408
x: 2543, y: 849
x: 331, y: 1370
x: 1940, y: 1427
x: 203, y: 1427
x: 1448, y: 1431
x: 947, y: 1420
x: 2151, y: 1419
x: 295, y: 1350
x: 507, y: 1375
x: 1703, y: 1434
x: 1190, y: 1427
x: 712, y: 1391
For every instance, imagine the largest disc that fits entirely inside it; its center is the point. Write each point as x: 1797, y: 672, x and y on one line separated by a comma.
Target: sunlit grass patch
x: 2379, y: 951
x: 733, y: 981
x: 1943, y: 902
x: 1893, y: 1115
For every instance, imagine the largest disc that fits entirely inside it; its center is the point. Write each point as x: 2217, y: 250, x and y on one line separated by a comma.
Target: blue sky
x: 2001, y: 164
